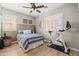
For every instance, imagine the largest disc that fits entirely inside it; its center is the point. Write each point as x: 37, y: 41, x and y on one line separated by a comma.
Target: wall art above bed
x: 26, y: 21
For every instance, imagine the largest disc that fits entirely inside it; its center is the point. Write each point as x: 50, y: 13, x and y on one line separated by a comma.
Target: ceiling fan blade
x: 38, y: 11
x: 26, y: 7
x: 33, y: 5
x: 42, y: 6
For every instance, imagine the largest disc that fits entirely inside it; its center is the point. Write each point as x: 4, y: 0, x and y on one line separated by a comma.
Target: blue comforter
x: 26, y: 39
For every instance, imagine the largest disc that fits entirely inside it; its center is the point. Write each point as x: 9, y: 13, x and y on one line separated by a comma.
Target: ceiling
x: 18, y: 7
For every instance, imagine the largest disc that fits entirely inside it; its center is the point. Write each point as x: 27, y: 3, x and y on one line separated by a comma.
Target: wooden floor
x: 43, y: 50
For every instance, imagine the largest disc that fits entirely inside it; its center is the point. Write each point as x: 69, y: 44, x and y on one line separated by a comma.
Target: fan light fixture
x: 34, y: 7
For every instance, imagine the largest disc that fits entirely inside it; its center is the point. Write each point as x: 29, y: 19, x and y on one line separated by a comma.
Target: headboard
x: 25, y: 27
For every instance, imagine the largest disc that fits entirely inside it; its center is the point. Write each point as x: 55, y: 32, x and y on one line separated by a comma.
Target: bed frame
x: 32, y: 45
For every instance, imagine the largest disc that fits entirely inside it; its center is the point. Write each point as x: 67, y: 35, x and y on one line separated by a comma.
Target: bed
x: 28, y: 40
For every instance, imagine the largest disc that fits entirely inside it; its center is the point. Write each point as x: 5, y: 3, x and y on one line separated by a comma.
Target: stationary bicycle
x: 58, y: 42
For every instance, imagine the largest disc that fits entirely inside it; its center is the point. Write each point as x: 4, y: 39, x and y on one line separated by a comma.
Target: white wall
x: 0, y: 25
x: 78, y: 6
x: 0, y: 21
x: 72, y: 36
x: 70, y: 12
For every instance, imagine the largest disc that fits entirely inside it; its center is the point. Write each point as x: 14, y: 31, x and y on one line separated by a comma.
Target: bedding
x: 24, y: 31
x: 26, y: 39
x: 27, y: 31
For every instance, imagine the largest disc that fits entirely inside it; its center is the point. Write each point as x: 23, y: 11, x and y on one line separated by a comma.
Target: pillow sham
x: 26, y: 31
x: 20, y: 32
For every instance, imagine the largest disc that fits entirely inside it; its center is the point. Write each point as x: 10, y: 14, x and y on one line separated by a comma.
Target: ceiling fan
x: 34, y: 7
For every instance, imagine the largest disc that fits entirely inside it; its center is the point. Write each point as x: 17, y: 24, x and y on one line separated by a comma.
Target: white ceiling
x: 18, y: 7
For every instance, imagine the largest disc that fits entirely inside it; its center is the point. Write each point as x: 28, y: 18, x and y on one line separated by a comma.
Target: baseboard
x: 73, y: 49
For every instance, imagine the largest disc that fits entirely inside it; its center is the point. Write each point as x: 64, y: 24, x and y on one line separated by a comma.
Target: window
x: 9, y: 22
x: 53, y: 22
x: 57, y: 22
x: 47, y: 23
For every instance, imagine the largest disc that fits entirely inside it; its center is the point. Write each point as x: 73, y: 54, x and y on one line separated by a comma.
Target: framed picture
x: 25, y: 21
x: 30, y: 21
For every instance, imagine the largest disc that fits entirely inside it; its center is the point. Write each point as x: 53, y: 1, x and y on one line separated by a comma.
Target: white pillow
x: 20, y: 31
x: 26, y: 31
